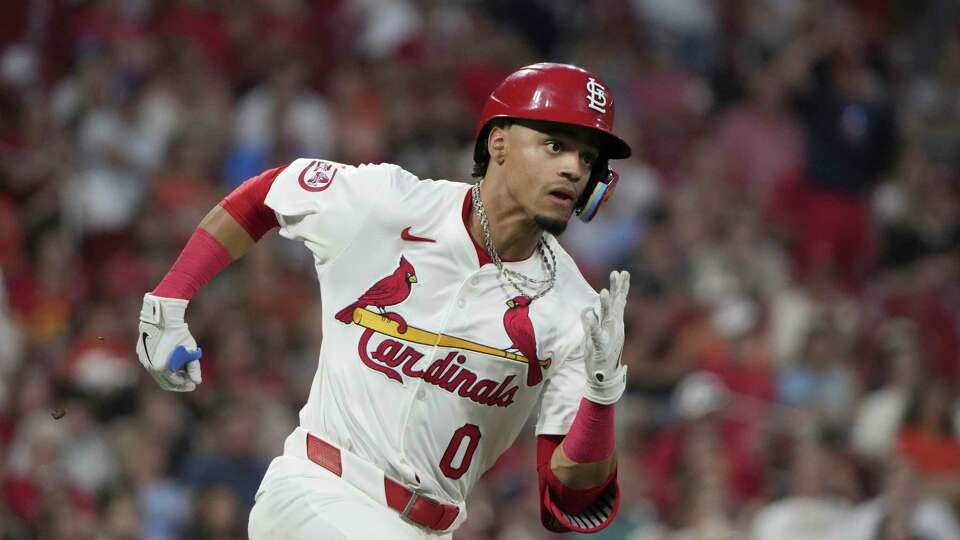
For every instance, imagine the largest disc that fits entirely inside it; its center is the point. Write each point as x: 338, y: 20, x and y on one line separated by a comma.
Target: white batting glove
x: 603, y: 342
x: 165, y: 346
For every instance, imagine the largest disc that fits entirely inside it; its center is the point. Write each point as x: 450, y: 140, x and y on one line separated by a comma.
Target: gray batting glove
x: 165, y: 347
x: 603, y: 342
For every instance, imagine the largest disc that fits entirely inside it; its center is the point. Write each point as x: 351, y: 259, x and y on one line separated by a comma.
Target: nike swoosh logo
x: 143, y: 338
x: 405, y: 234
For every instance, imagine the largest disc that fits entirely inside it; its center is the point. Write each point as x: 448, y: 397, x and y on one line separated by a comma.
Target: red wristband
x: 202, y: 258
x: 591, y: 437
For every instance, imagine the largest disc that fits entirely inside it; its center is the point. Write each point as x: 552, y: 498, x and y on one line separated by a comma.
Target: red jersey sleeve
x: 246, y: 204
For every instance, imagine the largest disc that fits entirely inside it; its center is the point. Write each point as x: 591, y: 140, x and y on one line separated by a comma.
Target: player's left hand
x: 603, y: 342
x: 165, y: 346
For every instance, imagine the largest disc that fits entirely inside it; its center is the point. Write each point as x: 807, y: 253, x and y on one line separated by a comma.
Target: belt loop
x: 447, y: 517
x: 405, y: 515
x: 324, y: 454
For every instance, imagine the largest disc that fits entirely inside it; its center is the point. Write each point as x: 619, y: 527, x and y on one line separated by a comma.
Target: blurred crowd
x: 791, y: 219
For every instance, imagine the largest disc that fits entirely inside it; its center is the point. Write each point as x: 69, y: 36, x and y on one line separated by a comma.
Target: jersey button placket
x: 415, y: 407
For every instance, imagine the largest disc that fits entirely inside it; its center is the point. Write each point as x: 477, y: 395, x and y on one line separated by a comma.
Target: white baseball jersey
x: 423, y: 372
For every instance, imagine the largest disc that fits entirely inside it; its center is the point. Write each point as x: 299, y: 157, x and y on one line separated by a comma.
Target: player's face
x: 548, y: 167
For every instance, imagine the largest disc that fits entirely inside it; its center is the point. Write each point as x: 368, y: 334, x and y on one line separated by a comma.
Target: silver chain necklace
x: 512, y: 277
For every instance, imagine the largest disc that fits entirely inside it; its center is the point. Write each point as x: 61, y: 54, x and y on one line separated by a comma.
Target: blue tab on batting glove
x: 180, y: 356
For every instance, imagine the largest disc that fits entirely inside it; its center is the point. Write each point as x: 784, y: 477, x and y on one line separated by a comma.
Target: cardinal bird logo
x: 516, y: 321
x: 389, y: 291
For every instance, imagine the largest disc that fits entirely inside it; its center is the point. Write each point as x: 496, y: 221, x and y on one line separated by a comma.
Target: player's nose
x: 572, y: 167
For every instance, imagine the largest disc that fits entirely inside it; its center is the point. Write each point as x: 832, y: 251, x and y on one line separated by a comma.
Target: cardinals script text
x: 391, y: 358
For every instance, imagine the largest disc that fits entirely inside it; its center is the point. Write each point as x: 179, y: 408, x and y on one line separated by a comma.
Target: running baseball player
x: 449, y: 312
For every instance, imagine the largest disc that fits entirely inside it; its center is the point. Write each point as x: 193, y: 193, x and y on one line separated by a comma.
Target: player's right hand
x: 603, y: 343
x: 164, y: 344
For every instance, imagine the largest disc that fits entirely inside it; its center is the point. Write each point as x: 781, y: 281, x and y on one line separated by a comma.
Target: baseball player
x: 450, y: 312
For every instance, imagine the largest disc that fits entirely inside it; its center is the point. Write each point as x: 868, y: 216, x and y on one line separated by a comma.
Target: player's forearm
x: 578, y: 485
x: 581, y: 475
x: 585, y: 459
x: 201, y: 259
x: 225, y: 229
x: 225, y: 234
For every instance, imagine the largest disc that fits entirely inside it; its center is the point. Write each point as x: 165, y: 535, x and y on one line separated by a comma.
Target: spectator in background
x: 703, y: 447
x: 656, y: 314
x: 278, y: 121
x: 821, y: 385
x: 741, y: 263
x: 45, y: 295
x: 901, y: 512
x: 121, y: 516
x: 842, y: 100
x: 920, y: 268
x: 10, y: 350
x: 163, y: 502
x: 94, y: 367
x: 761, y: 136
x: 811, y: 509
x: 230, y: 458
x: 360, y: 110
x: 707, y: 514
x: 218, y: 515
x: 623, y: 223
x: 927, y: 440
x: 88, y: 460
x: 881, y: 412
x: 117, y: 152
x: 185, y: 186
x: 37, y: 487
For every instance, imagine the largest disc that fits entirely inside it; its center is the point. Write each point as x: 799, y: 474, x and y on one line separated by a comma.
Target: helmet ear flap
x: 603, y: 181
x: 599, y: 172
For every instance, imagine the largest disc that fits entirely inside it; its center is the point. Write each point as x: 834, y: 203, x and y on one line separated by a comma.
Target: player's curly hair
x: 481, y: 156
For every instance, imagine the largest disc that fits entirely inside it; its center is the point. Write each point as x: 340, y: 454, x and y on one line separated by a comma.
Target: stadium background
x: 790, y: 218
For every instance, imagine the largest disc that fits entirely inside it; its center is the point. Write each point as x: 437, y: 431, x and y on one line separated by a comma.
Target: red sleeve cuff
x: 598, y: 515
x: 563, y: 509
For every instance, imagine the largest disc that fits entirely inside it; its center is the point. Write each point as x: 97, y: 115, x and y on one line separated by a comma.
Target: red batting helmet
x: 555, y: 93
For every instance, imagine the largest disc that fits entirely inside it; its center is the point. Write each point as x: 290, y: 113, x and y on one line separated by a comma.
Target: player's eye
x: 588, y: 159
x: 554, y: 147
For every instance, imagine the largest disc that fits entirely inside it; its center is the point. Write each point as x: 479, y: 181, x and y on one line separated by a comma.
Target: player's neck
x: 515, y: 235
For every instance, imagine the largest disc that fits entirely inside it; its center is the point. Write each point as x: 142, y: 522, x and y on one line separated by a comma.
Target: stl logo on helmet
x: 596, y: 96
x: 318, y: 175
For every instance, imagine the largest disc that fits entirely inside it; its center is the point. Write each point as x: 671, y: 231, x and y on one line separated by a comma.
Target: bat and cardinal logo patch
x: 396, y: 354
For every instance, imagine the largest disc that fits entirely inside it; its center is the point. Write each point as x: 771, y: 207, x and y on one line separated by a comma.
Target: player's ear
x: 497, y: 143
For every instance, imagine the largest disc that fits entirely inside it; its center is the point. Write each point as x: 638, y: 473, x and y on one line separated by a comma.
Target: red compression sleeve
x: 202, y: 258
x: 591, y: 436
x: 246, y: 206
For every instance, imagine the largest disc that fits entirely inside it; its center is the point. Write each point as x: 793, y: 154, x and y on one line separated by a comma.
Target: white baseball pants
x: 299, y: 501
